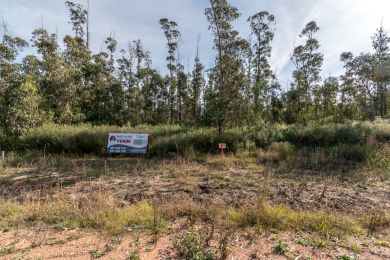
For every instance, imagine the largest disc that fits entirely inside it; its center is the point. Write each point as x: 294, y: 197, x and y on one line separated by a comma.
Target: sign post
x: 123, y: 143
x: 222, y: 146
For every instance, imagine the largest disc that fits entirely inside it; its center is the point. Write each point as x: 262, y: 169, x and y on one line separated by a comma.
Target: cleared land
x: 282, y: 201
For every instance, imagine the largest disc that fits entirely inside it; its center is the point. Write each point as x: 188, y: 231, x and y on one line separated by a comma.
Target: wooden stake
x: 2, y: 158
x: 105, y: 166
x: 44, y: 155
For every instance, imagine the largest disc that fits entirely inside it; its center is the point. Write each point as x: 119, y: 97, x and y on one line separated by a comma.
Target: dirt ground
x: 211, y: 181
x: 79, y: 244
x: 131, y: 181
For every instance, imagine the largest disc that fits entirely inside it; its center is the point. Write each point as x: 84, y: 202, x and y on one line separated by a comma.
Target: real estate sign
x: 127, y: 143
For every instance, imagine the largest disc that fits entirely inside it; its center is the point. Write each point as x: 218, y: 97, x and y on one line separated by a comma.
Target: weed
x: 192, y: 246
x: 313, y: 242
x: 136, y: 243
x: 65, y: 224
x: 382, y: 243
x: 280, y: 248
x: 7, y: 251
x: 134, y: 256
x: 347, y: 257
x: 352, y: 247
x: 97, y: 253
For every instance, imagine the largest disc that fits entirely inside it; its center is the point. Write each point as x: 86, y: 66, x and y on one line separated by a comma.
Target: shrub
x: 281, y: 248
x: 277, y: 152
x: 134, y: 256
x: 192, y: 246
x: 355, y: 153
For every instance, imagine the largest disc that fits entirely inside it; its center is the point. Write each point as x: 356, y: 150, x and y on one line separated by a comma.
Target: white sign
x: 222, y: 146
x: 127, y: 143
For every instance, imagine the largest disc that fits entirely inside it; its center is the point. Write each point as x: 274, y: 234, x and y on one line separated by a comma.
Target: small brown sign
x: 222, y: 146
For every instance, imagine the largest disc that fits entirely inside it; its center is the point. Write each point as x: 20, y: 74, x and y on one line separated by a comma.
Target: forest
x: 64, y: 82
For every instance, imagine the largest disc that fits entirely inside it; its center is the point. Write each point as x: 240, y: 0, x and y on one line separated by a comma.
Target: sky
x: 345, y: 25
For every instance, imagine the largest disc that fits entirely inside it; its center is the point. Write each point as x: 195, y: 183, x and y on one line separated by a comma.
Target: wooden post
x: 106, y: 155
x: 44, y: 155
x: 105, y: 166
x: 148, y: 148
x: 2, y: 159
x: 222, y: 146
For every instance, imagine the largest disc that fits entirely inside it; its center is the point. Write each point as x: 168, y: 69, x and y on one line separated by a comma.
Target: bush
x: 354, y: 153
x: 281, y: 248
x: 192, y: 247
x: 277, y: 152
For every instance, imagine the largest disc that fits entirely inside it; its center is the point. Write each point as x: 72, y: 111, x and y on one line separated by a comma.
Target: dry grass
x: 263, y: 216
x: 99, y: 211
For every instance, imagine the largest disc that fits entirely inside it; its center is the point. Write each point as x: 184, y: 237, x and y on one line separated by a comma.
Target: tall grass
x: 173, y: 139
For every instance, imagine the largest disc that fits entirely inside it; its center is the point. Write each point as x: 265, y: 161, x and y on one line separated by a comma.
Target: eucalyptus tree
x: 182, y: 96
x: 197, y: 85
x: 10, y: 72
x: 263, y: 26
x: 325, y: 100
x: 380, y: 42
x: 307, y: 61
x: 10, y: 48
x: 366, y: 85
x: 348, y: 91
x: 229, y: 71
x: 76, y: 59
x: 173, y: 37
x: 78, y: 18
x: 21, y: 106
x: 53, y: 80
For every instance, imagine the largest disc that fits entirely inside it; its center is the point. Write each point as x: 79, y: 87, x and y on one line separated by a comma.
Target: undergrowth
x: 351, y: 138
x: 99, y: 211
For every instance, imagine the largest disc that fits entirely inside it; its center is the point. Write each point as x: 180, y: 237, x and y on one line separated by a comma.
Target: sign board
x: 122, y: 143
x: 222, y: 146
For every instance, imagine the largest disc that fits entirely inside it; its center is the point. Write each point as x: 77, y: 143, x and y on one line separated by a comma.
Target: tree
x: 197, y: 85
x: 22, y: 107
x: 173, y: 37
x: 53, y: 79
x: 348, y: 105
x: 263, y: 26
x: 325, y: 100
x: 78, y: 18
x: 229, y: 73
x: 182, y: 96
x: 380, y: 42
x: 307, y: 61
x: 10, y: 70
x: 365, y: 84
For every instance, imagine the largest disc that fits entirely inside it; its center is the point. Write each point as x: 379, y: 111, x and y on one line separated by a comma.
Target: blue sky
x: 346, y: 25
